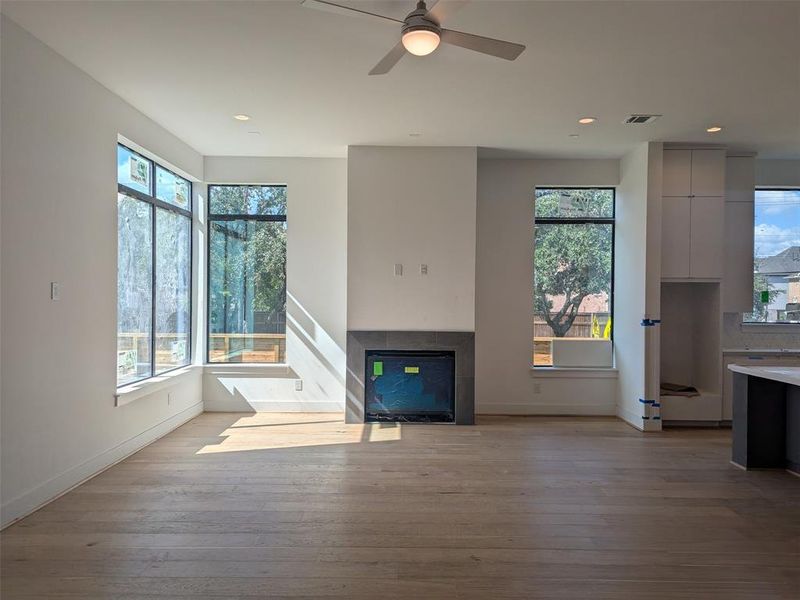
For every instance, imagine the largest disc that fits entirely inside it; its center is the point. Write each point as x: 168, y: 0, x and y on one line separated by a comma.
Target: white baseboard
x: 636, y: 421
x: 282, y: 406
x: 53, y: 488
x: 564, y: 409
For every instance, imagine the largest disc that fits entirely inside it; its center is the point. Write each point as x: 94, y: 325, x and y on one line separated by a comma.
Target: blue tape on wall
x: 643, y: 401
x: 650, y: 322
x: 656, y: 404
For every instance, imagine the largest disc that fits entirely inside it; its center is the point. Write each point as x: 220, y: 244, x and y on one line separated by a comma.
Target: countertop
x: 757, y: 351
x: 790, y: 375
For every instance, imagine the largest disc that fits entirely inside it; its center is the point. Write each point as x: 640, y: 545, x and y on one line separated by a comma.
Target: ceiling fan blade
x: 484, y: 45
x: 441, y: 11
x: 339, y: 9
x: 390, y: 60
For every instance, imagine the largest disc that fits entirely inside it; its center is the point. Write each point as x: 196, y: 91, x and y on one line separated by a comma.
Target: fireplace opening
x: 410, y: 386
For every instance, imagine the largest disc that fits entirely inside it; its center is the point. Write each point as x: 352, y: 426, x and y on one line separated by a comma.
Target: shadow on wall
x: 315, y: 358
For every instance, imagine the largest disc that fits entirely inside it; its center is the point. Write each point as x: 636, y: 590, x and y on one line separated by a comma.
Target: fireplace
x: 439, y: 385
x: 412, y: 386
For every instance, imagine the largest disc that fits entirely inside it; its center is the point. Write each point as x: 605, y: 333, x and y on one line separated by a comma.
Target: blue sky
x: 777, y: 221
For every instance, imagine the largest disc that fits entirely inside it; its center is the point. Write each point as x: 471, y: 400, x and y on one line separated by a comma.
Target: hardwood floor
x: 303, y: 506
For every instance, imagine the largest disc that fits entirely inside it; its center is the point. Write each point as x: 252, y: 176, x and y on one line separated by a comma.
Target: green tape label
x: 377, y: 368
x: 412, y: 369
x: 765, y: 297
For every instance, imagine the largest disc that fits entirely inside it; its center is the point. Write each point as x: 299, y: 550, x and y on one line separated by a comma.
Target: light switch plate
x: 55, y: 290
x: 298, y: 385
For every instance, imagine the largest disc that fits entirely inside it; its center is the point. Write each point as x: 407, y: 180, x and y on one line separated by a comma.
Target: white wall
x: 504, y: 380
x: 411, y: 206
x: 59, y: 223
x: 316, y: 272
x: 777, y: 173
x: 637, y: 276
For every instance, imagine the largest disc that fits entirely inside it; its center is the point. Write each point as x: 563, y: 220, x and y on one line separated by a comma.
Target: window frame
x: 156, y: 203
x: 580, y: 221
x: 210, y: 217
x: 775, y: 326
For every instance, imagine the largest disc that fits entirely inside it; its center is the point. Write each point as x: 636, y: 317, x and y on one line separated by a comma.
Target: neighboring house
x: 783, y: 273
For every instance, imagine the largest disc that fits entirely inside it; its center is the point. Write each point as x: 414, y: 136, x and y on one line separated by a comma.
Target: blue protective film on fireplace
x: 410, y: 385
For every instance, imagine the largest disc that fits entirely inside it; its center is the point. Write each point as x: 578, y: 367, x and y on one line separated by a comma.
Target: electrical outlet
x: 537, y: 388
x: 298, y: 385
x: 398, y: 270
x: 423, y: 269
x: 169, y: 398
x: 55, y: 290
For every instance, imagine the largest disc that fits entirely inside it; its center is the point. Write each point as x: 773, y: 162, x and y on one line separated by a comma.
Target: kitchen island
x: 766, y: 417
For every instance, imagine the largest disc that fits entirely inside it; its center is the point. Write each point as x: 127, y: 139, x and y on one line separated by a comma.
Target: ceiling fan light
x: 420, y: 42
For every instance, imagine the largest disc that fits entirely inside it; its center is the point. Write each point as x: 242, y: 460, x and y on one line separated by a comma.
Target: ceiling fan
x: 422, y: 31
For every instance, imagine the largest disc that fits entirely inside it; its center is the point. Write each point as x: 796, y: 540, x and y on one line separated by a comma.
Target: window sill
x: 250, y: 369
x: 574, y: 372
x: 128, y: 393
x: 770, y: 327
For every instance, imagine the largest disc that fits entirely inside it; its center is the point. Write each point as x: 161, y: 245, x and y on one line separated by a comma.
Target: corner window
x: 776, y: 252
x: 573, y: 273
x: 154, y: 268
x: 247, y: 274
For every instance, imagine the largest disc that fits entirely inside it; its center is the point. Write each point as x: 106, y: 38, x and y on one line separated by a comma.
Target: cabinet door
x: 677, y: 174
x: 707, y: 234
x: 708, y: 173
x: 737, y: 275
x: 675, y: 226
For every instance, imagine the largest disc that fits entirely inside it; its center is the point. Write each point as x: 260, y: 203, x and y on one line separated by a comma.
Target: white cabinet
x: 737, y: 276
x: 697, y: 172
x: 677, y: 173
x: 706, y: 237
x: 708, y: 173
x: 693, y: 214
x: 675, y: 218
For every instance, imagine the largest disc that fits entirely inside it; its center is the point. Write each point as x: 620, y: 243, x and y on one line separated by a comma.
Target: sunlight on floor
x: 268, y: 431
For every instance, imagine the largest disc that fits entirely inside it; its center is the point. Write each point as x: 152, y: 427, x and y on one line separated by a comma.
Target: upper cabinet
x: 697, y: 172
x: 737, y: 278
x: 693, y: 214
x: 677, y: 175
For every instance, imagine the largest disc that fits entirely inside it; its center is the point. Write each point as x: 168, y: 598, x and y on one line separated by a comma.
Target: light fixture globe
x: 420, y: 42
x: 421, y: 35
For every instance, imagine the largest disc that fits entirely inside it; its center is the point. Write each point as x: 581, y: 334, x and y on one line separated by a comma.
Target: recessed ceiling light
x: 573, y: 135
x: 254, y: 132
x: 587, y: 120
x: 241, y: 117
x: 415, y: 134
x: 714, y: 129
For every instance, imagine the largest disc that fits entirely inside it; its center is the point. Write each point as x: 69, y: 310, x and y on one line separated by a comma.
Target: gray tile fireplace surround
x: 462, y: 342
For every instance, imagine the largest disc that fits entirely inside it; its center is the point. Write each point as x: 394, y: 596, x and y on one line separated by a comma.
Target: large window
x: 776, y: 289
x: 573, y: 270
x: 247, y: 274
x: 154, y: 268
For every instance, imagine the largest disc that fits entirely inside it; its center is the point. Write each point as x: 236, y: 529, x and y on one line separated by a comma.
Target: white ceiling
x: 302, y: 74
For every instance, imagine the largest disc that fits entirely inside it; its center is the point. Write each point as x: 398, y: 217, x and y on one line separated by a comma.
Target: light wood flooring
x: 303, y: 506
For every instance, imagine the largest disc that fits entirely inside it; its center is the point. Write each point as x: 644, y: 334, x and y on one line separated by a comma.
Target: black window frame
x: 210, y: 218
x: 157, y: 203
x: 612, y: 220
x: 776, y: 324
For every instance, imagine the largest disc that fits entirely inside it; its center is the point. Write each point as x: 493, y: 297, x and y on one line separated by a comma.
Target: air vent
x: 640, y: 119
